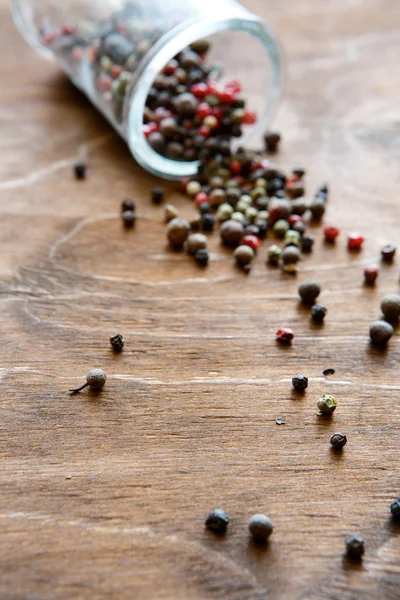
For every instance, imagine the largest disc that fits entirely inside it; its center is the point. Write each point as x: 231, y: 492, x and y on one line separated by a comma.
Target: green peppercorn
x: 300, y: 383
x: 193, y: 188
x: 390, y: 307
x: 338, y: 440
x: 260, y: 527
x: 258, y: 192
x: 177, y: 232
x: 273, y: 254
x: 238, y: 216
x: 251, y: 214
x: 280, y: 228
x: 292, y: 238
x: 217, y: 521
x: 309, y: 291
x: 243, y: 255
x: 354, y: 547
x: 327, y: 404
x: 242, y: 205
x: 95, y: 379
x: 395, y: 509
x: 380, y: 333
x: 263, y: 215
x: 224, y: 212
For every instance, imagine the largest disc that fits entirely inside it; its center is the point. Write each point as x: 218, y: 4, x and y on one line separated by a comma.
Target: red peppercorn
x: 204, y: 110
x: 294, y: 219
x: 217, y: 113
x: 171, y: 67
x: 200, y: 90
x: 236, y: 167
x: 249, y: 117
x: 370, y: 274
x: 204, y: 131
x: 284, y: 335
x: 116, y: 71
x: 331, y: 233
x: 213, y: 87
x: 355, y: 241
x: 252, y: 241
x: 235, y: 86
x: 201, y: 198
x: 227, y: 96
x: 150, y: 128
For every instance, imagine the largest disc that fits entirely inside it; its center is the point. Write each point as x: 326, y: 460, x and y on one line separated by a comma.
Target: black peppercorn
x: 217, y: 521
x: 395, y: 509
x: 317, y: 208
x: 260, y: 527
x: 129, y: 218
x: 309, y: 291
x: 318, y: 313
x: 117, y: 342
x: 127, y: 204
x: 157, y: 195
x: 272, y: 139
x: 338, y: 440
x: 307, y: 242
x: 207, y: 222
x: 80, y: 170
x: 202, y: 257
x: 388, y: 253
x: 354, y: 547
x: 300, y: 383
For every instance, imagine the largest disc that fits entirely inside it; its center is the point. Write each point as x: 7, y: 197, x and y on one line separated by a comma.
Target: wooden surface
x: 105, y: 497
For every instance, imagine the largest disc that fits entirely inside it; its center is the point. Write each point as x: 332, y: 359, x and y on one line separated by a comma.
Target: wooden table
x: 105, y: 497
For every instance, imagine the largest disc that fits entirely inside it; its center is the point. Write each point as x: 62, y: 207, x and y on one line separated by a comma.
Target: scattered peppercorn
x: 280, y: 228
x: 195, y: 242
x: 388, y: 252
x: 177, y: 232
x: 331, y: 233
x: 354, y: 547
x: 318, y: 313
x: 290, y: 255
x: 128, y: 204
x: 317, y: 208
x: 243, y: 255
x: 355, y: 241
x: 128, y: 218
x: 390, y: 306
x: 231, y: 232
x: 371, y: 274
x: 284, y: 335
x: 338, y: 440
x: 274, y: 254
x: 300, y: 383
x: 307, y: 242
x: 327, y: 404
x: 170, y: 212
x: 380, y: 333
x: 272, y: 140
x: 207, y: 222
x: 217, y: 521
x: 202, y: 257
x: 80, y: 170
x: 157, y: 195
x: 309, y: 291
x: 95, y: 379
x: 260, y: 527
x: 117, y: 342
x: 395, y: 509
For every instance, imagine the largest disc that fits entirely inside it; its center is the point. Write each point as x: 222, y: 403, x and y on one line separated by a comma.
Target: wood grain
x: 104, y: 497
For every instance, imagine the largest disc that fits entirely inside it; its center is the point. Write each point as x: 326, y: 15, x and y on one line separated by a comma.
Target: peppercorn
x: 207, y: 222
x: 262, y: 226
x: 299, y: 206
x: 380, y: 333
x: 299, y: 172
x: 273, y: 254
x: 292, y: 238
x: 193, y: 188
x: 331, y: 233
x: 327, y: 404
x: 354, y: 241
x: 157, y: 195
x: 279, y: 209
x: 238, y: 216
x: 318, y: 313
x: 252, y: 241
x: 217, y: 521
x: 290, y: 255
x: 300, y: 227
x: 177, y: 232
x: 284, y: 335
x: 174, y: 151
x: 388, y: 252
x: 243, y: 255
x: 390, y: 306
x: 231, y: 232
x: 370, y: 274
x: 95, y: 379
x: 224, y: 212
x: 186, y: 104
x: 157, y: 141
x: 354, y: 547
x: 309, y: 291
x: 271, y: 140
x: 195, y: 223
x: 128, y: 204
x: 289, y: 269
x: 117, y: 342
x: 202, y: 257
x: 307, y: 242
x: 280, y: 228
x: 338, y: 440
x: 80, y: 170
x: 260, y: 527
x: 218, y: 197
x: 170, y: 212
x: 300, y: 383
x: 195, y: 242
x: 251, y: 214
x: 317, y: 209
x: 129, y: 218
x: 204, y: 208
x: 395, y: 509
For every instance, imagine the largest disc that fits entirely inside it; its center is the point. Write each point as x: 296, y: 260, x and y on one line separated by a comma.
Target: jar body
x: 113, y: 50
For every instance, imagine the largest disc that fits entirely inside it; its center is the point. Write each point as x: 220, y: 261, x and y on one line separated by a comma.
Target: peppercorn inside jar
x: 164, y: 74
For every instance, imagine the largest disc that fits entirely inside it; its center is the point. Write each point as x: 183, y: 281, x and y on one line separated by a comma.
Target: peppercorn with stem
x: 318, y: 313
x: 327, y: 404
x: 354, y: 547
x: 300, y: 383
x: 95, y: 379
x: 338, y: 441
x: 117, y: 342
x: 217, y: 521
x: 260, y: 527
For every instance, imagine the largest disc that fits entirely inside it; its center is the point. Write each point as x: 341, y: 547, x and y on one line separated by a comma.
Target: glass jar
x: 141, y: 37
